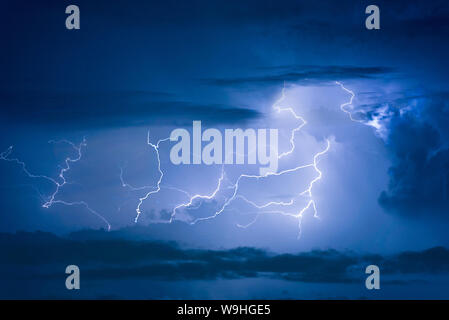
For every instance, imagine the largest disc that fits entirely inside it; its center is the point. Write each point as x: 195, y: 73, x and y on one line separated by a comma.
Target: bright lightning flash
x: 61, y: 181
x: 272, y: 207
x: 236, y: 185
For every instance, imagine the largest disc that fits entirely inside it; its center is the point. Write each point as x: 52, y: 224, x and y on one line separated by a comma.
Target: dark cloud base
x: 26, y: 256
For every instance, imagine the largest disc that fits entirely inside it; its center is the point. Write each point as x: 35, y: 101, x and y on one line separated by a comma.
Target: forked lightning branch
x: 258, y: 148
x: 211, y: 147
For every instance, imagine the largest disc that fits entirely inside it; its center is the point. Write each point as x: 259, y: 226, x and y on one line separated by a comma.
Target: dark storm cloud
x: 434, y: 260
x: 418, y: 144
x: 97, y: 110
x: 325, y: 17
x: 172, y: 12
x: 120, y: 258
x: 400, y: 20
x: 304, y: 75
x: 82, y: 109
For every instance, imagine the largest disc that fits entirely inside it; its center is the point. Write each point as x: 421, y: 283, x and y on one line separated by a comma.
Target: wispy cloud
x: 114, y: 109
x: 303, y: 75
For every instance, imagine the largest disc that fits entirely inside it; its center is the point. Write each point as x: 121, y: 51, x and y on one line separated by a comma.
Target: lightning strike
x: 236, y: 185
x: 282, y: 206
x: 51, y: 200
x: 161, y: 175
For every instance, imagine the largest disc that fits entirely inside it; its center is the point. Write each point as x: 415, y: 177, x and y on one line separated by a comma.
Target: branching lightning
x: 236, y: 185
x: 349, y: 103
x: 286, y: 208
x: 374, y: 120
x: 52, y: 199
x: 161, y: 175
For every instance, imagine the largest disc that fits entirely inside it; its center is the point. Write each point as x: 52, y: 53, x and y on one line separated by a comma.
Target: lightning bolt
x: 285, y: 208
x: 51, y: 199
x: 349, y: 103
x: 161, y: 175
x: 236, y: 185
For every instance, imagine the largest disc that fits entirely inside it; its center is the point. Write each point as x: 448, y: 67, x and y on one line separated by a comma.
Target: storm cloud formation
x: 417, y: 142
x: 122, y: 258
x: 137, y: 69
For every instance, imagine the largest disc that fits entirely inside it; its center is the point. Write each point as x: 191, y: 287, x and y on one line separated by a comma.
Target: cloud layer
x: 115, y: 258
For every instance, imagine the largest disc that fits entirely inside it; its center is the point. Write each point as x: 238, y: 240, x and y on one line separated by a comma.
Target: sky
x: 82, y: 112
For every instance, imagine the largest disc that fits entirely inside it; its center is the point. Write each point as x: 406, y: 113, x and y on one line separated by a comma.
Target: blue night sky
x: 77, y: 107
